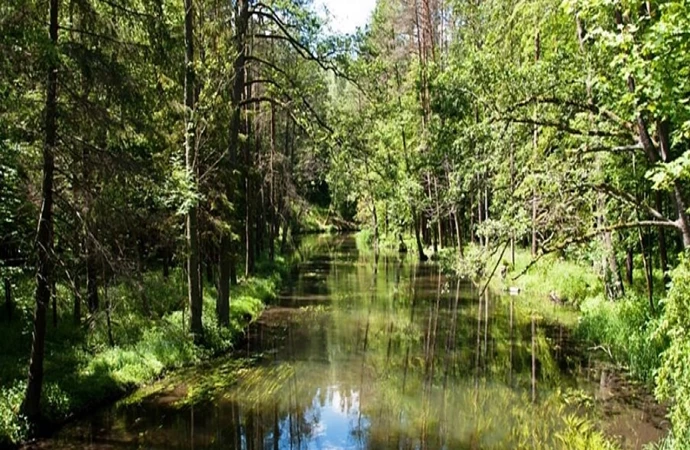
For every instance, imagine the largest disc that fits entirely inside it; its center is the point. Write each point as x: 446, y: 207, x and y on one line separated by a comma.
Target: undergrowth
x: 149, y: 329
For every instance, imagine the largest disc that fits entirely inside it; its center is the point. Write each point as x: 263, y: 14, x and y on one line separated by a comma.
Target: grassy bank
x: 567, y: 288
x: 651, y: 343
x: 84, y: 369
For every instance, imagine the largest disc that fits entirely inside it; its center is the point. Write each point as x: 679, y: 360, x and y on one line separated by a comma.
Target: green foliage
x: 12, y: 427
x: 571, y: 281
x: 82, y: 370
x: 625, y: 331
x: 581, y: 434
x: 673, y: 381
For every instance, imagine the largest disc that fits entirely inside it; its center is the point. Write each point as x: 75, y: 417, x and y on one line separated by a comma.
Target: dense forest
x: 158, y: 158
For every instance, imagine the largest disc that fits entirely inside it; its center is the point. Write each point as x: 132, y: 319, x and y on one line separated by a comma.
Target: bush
x: 12, y: 427
x: 673, y: 381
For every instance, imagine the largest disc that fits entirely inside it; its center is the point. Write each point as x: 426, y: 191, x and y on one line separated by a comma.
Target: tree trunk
x: 9, y: 306
x: 480, y: 217
x: 611, y: 272
x: 663, y: 252
x: 418, y: 238
x: 108, y: 310
x: 223, y: 307
x: 473, y: 237
x: 614, y: 277
x: 31, y: 406
x: 376, y: 224
x: 76, y: 311
x: 53, y: 296
x: 193, y: 278
x: 678, y: 194
x: 458, y: 234
x: 272, y: 197
x: 242, y: 17
x: 535, y: 147
x: 629, y: 267
x: 647, y: 268
x: 91, y: 279
x: 233, y: 267
x: 249, y: 199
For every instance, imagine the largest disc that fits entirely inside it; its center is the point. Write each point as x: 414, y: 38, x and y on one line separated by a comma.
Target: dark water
x: 368, y: 352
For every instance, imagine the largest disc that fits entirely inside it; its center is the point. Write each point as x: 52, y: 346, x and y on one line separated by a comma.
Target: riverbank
x: 627, y: 335
x: 567, y: 289
x: 91, y: 365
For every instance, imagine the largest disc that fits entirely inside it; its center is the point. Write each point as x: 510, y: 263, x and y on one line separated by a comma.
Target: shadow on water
x: 364, y: 351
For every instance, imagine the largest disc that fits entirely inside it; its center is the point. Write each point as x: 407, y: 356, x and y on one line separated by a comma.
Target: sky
x: 347, y: 15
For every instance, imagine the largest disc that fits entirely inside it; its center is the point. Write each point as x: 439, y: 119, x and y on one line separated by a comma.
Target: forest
x: 160, y: 159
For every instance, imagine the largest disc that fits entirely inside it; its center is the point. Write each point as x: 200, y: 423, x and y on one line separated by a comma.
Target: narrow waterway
x: 374, y: 352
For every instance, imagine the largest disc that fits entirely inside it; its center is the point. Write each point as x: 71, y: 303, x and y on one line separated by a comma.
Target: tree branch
x: 565, y: 127
x: 624, y: 196
x: 584, y: 238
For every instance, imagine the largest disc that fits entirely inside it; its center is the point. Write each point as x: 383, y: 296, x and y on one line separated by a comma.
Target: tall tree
x: 31, y: 406
x: 191, y: 163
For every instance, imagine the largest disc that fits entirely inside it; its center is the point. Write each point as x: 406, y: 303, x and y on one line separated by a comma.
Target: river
x: 380, y: 352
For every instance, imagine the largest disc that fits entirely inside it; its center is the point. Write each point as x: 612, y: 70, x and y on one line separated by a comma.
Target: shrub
x: 12, y: 427
x: 673, y: 381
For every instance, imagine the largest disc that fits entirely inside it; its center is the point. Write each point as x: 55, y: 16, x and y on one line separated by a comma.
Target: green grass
x: 149, y: 325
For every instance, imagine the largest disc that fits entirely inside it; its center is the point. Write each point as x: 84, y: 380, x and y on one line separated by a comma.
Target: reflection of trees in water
x: 409, y: 357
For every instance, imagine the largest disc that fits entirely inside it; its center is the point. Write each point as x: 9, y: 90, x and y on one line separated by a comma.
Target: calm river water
x: 383, y: 353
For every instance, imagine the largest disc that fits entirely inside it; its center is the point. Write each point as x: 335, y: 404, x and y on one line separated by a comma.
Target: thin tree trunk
x: 76, y: 311
x: 53, y: 296
x: 678, y: 194
x: 611, y: 272
x: 223, y: 307
x: 629, y: 266
x: 249, y: 234
x: 661, y: 234
x: 193, y: 278
x: 108, y: 311
x: 375, y: 218
x: 31, y: 406
x: 473, y: 237
x: 480, y: 215
x: 458, y: 234
x: 91, y: 279
x: 9, y: 306
x: 647, y: 270
x: 272, y: 197
x: 535, y: 147
x: 512, y: 189
x: 418, y: 238
x: 615, y: 274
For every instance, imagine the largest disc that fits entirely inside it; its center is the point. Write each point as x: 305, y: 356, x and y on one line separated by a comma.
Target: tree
x: 31, y: 406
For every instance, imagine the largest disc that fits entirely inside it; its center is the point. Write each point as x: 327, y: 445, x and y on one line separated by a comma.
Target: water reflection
x: 364, y: 352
